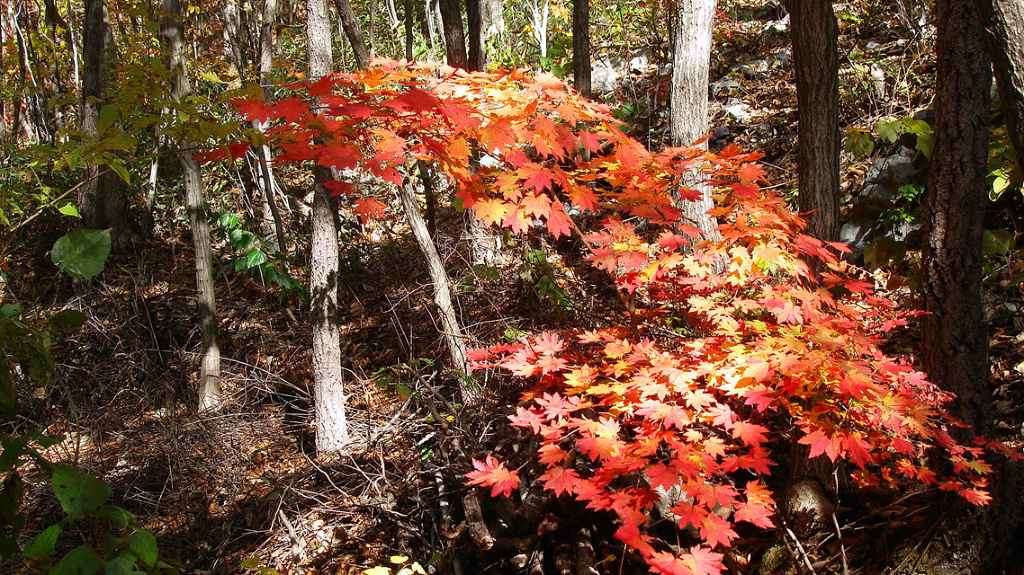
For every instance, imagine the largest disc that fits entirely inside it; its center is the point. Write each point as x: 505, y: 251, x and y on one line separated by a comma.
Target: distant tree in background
x: 581, y: 46
x: 1004, y: 21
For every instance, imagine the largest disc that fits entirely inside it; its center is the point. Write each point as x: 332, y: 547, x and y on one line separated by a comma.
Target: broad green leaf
x: 860, y: 143
x: 108, y: 114
x: 143, y: 543
x: 255, y: 258
x: 121, y: 565
x: 926, y: 143
x: 78, y: 492
x: 996, y: 242
x: 14, y: 446
x: 67, y: 207
x: 118, y: 517
x: 7, y: 311
x: 42, y: 545
x: 887, y: 130
x: 8, y: 393
x: 81, y: 560
x: 378, y: 570
x: 1000, y: 181
x: 82, y: 253
x: 69, y: 320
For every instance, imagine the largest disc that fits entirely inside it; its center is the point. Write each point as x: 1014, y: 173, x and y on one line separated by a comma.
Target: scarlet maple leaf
x: 491, y: 473
x: 560, y: 480
x: 367, y: 208
x: 749, y: 433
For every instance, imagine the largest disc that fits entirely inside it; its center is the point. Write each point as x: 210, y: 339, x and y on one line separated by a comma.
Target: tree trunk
x: 101, y: 201
x: 477, y: 44
x: 954, y: 338
x: 581, y: 46
x: 355, y: 36
x: 442, y: 292
x: 408, y: 30
x: 454, y: 39
x: 331, y: 420
x: 209, y: 363
x: 494, y: 19
x: 271, y: 213
x: 815, y: 38
x: 539, y: 12
x: 688, y: 122
x: 1004, y: 20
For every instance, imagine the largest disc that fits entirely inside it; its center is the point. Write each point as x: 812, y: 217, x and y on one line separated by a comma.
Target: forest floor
x: 240, y: 491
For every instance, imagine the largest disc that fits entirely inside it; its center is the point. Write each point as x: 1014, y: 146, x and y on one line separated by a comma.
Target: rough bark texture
x: 1004, y: 21
x: 355, y: 36
x: 581, y: 46
x: 954, y: 339
x: 477, y: 44
x: 442, y: 292
x: 209, y: 359
x: 454, y: 39
x: 408, y: 30
x: 329, y: 396
x: 101, y: 201
x: 815, y: 37
x: 494, y: 18
x: 689, y: 118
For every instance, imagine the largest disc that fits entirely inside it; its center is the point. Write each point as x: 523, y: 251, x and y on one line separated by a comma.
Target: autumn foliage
x: 729, y: 351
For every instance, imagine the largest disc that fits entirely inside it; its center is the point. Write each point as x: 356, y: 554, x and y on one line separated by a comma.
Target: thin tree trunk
x: 355, y: 36
x: 815, y: 57
x: 331, y: 420
x: 689, y: 115
x: 408, y: 30
x: 494, y: 19
x: 454, y: 39
x: 209, y: 363
x: 1004, y: 21
x: 442, y: 293
x: 477, y: 42
x: 271, y: 213
x: 581, y: 46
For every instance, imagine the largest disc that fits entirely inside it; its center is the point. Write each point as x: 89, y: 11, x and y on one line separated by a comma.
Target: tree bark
x: 209, y: 363
x: 494, y: 19
x: 101, y: 201
x: 453, y: 336
x: 477, y: 42
x: 352, y: 31
x: 688, y: 122
x: 454, y: 39
x: 273, y: 226
x: 331, y: 420
x: 815, y: 37
x: 954, y: 338
x: 408, y: 30
x: 1004, y: 22
x: 581, y: 46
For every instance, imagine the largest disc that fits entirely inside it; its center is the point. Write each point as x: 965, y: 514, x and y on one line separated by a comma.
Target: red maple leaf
x: 560, y: 480
x: 491, y: 473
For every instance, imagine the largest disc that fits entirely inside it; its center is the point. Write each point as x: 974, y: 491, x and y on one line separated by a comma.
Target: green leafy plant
x: 251, y: 255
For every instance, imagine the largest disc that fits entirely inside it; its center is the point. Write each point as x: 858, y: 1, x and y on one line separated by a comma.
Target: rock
x: 720, y: 134
x: 724, y: 85
x: 894, y: 171
x: 603, y: 77
x: 737, y: 109
x: 638, y: 64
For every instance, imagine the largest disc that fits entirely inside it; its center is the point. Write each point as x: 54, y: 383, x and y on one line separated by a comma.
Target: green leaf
x: 887, y: 130
x: 1000, y: 181
x: 860, y: 143
x: 143, y: 543
x: 81, y: 560
x: 8, y: 393
x: 255, y: 258
x: 996, y: 242
x: 926, y: 143
x: 67, y: 207
x: 378, y: 570
x: 7, y: 311
x: 82, y: 253
x: 42, y: 545
x: 121, y: 565
x: 78, y: 492
x: 108, y: 114
x: 69, y: 320
x: 14, y: 447
x: 119, y: 518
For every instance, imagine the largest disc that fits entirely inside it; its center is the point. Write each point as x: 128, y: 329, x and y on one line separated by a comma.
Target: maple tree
x: 713, y: 370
